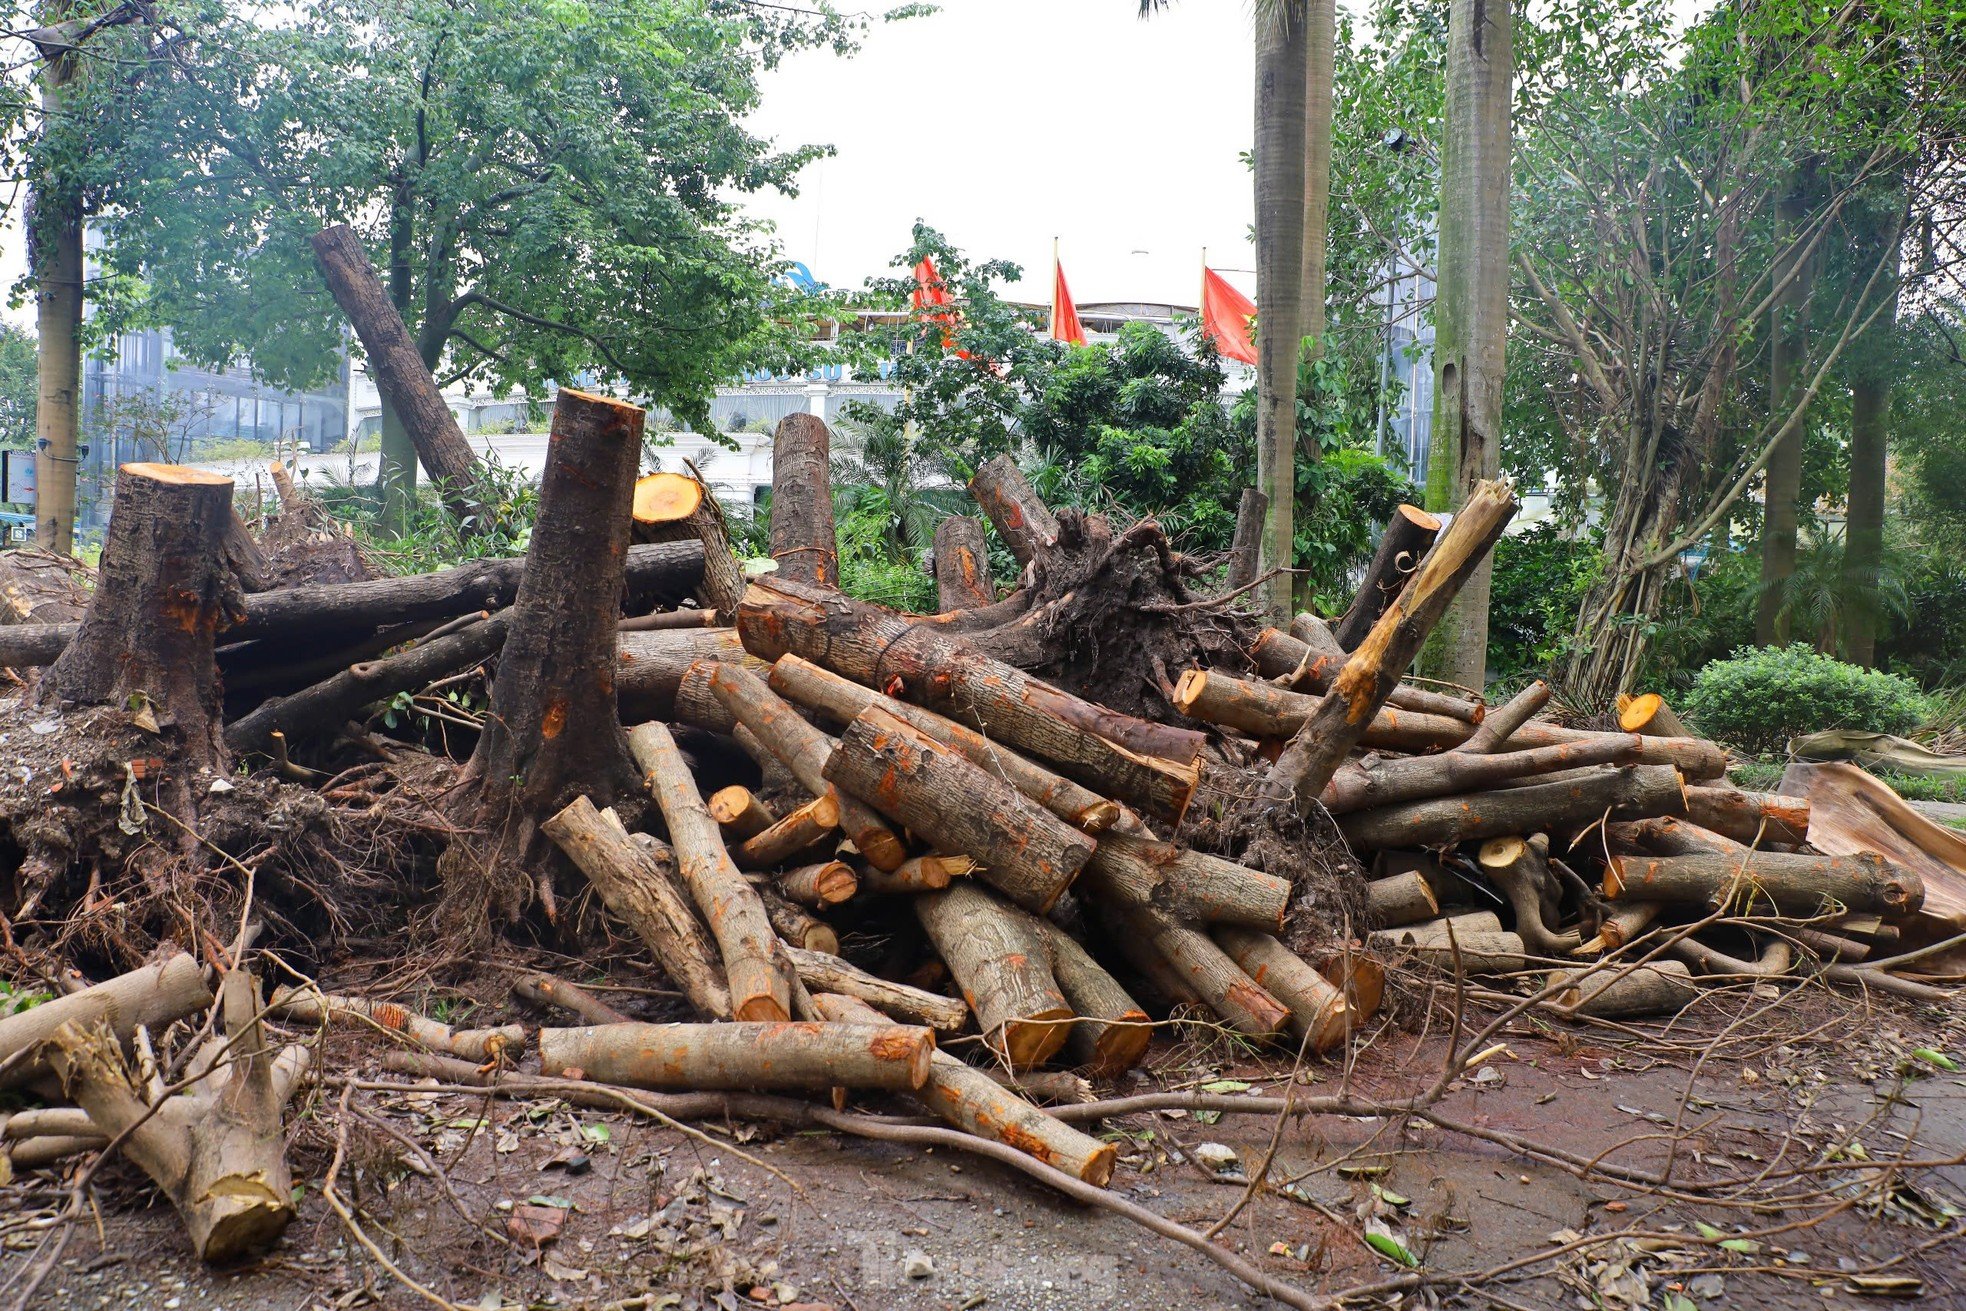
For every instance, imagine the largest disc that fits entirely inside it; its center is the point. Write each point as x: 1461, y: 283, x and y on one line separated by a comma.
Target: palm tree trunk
x: 1322, y: 33
x: 1471, y: 309
x: 1282, y: 49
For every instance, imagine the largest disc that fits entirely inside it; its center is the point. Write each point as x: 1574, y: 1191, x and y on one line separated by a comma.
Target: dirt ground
x: 1774, y: 1109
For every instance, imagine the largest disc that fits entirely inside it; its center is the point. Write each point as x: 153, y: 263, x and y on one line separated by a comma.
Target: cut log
x: 41, y: 587
x: 828, y: 973
x: 1111, y: 1032
x: 1649, y: 714
x: 743, y: 1057
x: 637, y: 883
x: 650, y: 667
x: 1145, y: 764
x: 1622, y: 992
x: 1634, y: 792
x: 802, y: 539
x: 1479, y: 952
x: 739, y: 814
x: 553, y: 725
x: 675, y: 507
x: 1203, y: 970
x: 1265, y: 711
x: 1382, y: 781
x: 798, y: 926
x: 842, y: 700
x: 1027, y: 853
x: 1359, y: 977
x: 1666, y: 835
x: 728, y: 904
x: 1622, y: 926
x: 1520, y: 867
x: 1756, y: 818
x: 1184, y: 884
x: 1500, y: 724
x: 1408, y: 537
x: 161, y: 596
x: 806, y: 829
x: 804, y: 750
x: 1471, y: 921
x: 827, y: 883
x: 672, y: 619
x: 1246, y: 550
x: 311, y: 1006
x: 969, y: 1099
x: 916, y: 874
x: 1402, y: 899
x: 545, y: 990
x: 1319, y: 1013
x: 399, y: 370
x: 330, y: 704
x: 1301, y: 666
x: 217, y: 1153
x: 1804, y: 885
x: 998, y: 955
x: 1018, y: 513
x: 1375, y: 669
x: 155, y: 995
x: 962, y: 565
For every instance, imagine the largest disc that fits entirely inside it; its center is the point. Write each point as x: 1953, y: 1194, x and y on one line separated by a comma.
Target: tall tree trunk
x: 396, y: 465
x: 1322, y: 33
x: 1788, y: 350
x: 1870, y: 415
x: 54, y: 253
x: 1471, y: 307
x: 1282, y: 58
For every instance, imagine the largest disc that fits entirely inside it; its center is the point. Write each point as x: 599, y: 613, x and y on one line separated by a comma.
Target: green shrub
x: 1763, y: 696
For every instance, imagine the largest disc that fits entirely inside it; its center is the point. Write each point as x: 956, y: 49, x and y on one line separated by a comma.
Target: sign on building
x: 17, y: 476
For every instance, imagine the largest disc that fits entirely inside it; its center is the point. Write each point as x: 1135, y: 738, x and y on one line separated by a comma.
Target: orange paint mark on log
x: 391, y: 1016
x: 895, y: 1044
x: 555, y: 718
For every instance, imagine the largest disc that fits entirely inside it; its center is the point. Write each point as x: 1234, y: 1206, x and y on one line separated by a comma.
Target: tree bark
x: 843, y: 700
x: 650, y: 667
x: 798, y: 926
x: 830, y: 974
x: 1401, y: 899
x: 1203, y: 970
x: 1020, y: 516
x: 1027, y: 853
x: 1246, y: 551
x: 827, y: 883
x: 802, y: 537
x: 1787, y: 361
x: 1143, y: 764
x: 674, y: 507
x: 1794, y: 884
x: 816, y: 822
x: 916, y: 874
x: 1479, y: 951
x: 1520, y: 867
x: 729, y: 905
x: 1501, y: 724
x: 161, y: 596
x: 545, y: 990
x: 1619, y: 992
x: 310, y: 1006
x: 1408, y: 537
x: 634, y: 883
x: 969, y: 1099
x: 1111, y: 1033
x: 805, y: 751
x: 55, y: 254
x: 552, y: 733
x: 401, y: 375
x: 739, y: 814
x: 1759, y: 819
x: 1633, y: 792
x: 1863, y: 549
x: 1374, y: 670
x: 998, y: 955
x: 962, y: 565
x: 1319, y: 1013
x: 741, y: 1057
x: 1282, y: 78
x: 155, y: 995
x: 1471, y: 305
x: 1299, y: 665
x: 1387, y: 780
x: 1185, y: 884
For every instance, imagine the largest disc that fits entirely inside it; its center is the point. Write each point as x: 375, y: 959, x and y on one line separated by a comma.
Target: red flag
x: 1065, y: 324
x: 1225, y: 316
x: 930, y: 291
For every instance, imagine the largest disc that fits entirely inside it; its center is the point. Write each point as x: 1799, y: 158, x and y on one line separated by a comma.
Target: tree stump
x: 962, y: 565
x: 802, y: 539
x: 671, y: 507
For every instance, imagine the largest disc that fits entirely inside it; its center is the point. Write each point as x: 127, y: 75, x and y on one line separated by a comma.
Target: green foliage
x: 1539, y: 577
x: 19, y: 388
x: 431, y: 539
x: 1766, y: 776
x: 1929, y: 642
x: 1763, y: 696
x: 869, y: 569
x: 918, y: 482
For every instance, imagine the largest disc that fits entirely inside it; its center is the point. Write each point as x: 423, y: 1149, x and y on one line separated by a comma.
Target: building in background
x: 1406, y: 367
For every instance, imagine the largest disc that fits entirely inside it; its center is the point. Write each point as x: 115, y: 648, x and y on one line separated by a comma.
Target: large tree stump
x: 802, y: 539
x: 962, y: 565
x: 673, y: 507
x: 1022, y: 519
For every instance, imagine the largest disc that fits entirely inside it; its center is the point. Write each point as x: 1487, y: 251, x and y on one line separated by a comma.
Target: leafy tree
x: 17, y: 388
x: 892, y: 474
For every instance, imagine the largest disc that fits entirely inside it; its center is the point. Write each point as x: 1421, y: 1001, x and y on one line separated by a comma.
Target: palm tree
x: 884, y: 467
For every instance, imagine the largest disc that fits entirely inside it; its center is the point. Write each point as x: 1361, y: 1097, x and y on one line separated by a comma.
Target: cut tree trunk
x: 1619, y: 992
x: 827, y: 883
x: 1309, y: 666
x: 972, y: 1101
x: 552, y: 733
x: 162, y: 594
x: 825, y: 973
x: 1402, y: 899
x: 998, y: 955
x: 1633, y: 792
x: 155, y: 995
x: 642, y: 894
x: 1375, y: 669
x: 1319, y: 1013
x: 1019, y: 514
x: 802, y: 539
x: 809, y: 827
x: 916, y: 874
x: 1185, y: 884
x: 1204, y: 970
x: 674, y: 507
x: 739, y: 814
x: 962, y: 565
x: 545, y: 990
x: 1246, y: 551
x: 650, y: 667
x: 742, y: 1057
x: 1383, y: 780
x: 1520, y: 867
x: 1756, y: 818
x: 219, y: 1152
x: 1478, y: 951
x: 1794, y: 884
x: 1649, y: 714
x: 798, y: 926
x: 729, y: 905
x: 804, y: 749
x: 842, y: 700
x: 1147, y: 765
x: 1500, y: 724
x: 1408, y: 537
x: 313, y: 1007
x: 1111, y: 1032
x: 401, y: 375
x: 1027, y: 853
